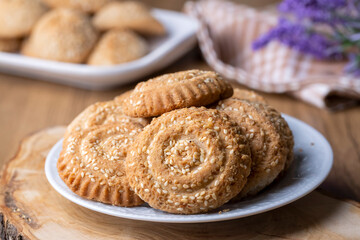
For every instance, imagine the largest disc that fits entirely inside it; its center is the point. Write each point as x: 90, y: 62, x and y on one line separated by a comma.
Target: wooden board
x: 31, y: 209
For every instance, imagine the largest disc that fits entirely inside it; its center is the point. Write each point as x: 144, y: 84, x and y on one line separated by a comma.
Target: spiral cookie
x: 251, y: 96
x: 189, y: 161
x: 81, y: 5
x: 62, y: 35
x: 269, y: 138
x: 92, y: 163
x: 177, y: 90
x: 9, y: 45
x: 128, y: 15
x: 118, y: 46
x: 17, y: 17
x: 102, y: 113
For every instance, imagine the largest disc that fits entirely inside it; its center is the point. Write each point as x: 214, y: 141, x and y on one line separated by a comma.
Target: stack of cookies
x: 95, y: 32
x: 184, y: 143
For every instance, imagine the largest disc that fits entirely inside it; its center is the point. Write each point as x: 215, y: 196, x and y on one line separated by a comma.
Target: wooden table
x: 28, y: 105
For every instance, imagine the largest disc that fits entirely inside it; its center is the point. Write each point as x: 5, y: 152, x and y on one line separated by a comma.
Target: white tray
x: 180, y: 38
x: 312, y: 164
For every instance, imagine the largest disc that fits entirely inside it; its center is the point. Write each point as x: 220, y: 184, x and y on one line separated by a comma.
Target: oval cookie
x: 177, y: 90
x: 269, y: 139
x: 189, y: 161
x: 17, y: 17
x: 92, y: 163
x: 81, y: 5
x: 118, y: 46
x: 102, y: 113
x: 250, y: 96
x: 61, y: 35
x: 131, y: 15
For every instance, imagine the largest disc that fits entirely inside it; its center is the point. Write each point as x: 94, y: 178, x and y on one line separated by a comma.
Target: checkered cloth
x: 225, y: 36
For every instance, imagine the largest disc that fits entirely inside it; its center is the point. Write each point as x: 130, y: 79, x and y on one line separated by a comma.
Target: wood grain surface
x: 28, y: 105
x: 31, y: 209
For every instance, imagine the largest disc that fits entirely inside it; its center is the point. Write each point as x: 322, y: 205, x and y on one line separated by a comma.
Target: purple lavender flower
x: 316, y: 10
x: 297, y: 37
x: 341, y: 19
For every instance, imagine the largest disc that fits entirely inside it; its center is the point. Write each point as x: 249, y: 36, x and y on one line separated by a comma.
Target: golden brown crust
x: 61, y: 35
x: 189, y: 161
x: 9, y: 45
x: 118, y: 46
x: 128, y: 15
x: 251, y: 96
x: 81, y: 5
x: 122, y: 96
x: 92, y: 163
x: 17, y: 17
x: 173, y: 91
x: 102, y: 113
x: 264, y: 128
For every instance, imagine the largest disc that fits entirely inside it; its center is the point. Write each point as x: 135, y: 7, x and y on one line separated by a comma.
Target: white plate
x: 180, y: 38
x: 311, y: 166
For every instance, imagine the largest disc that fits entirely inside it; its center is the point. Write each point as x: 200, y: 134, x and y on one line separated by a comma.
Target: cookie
x: 269, y: 138
x: 17, y: 17
x: 251, y: 96
x: 177, y: 90
x: 118, y: 46
x: 62, y: 35
x: 81, y: 5
x: 9, y: 45
x: 128, y: 15
x: 102, y: 113
x: 189, y: 161
x: 119, y: 99
x: 92, y: 163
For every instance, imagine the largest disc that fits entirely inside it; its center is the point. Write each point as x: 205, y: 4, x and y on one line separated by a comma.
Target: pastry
x: 61, y: 35
x: 128, y: 15
x: 173, y: 91
x: 122, y: 96
x: 81, y: 5
x: 92, y: 163
x: 251, y: 96
x: 118, y: 46
x: 17, y: 17
x: 269, y: 138
x: 189, y: 161
x: 102, y: 113
x: 9, y: 45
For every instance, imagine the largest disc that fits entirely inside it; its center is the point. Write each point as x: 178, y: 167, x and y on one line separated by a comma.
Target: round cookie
x: 9, y: 45
x: 102, y: 113
x: 131, y: 15
x: 61, y: 35
x: 189, y: 161
x: 177, y: 90
x: 81, y: 5
x: 269, y: 137
x: 118, y: 46
x: 92, y: 163
x: 17, y: 17
x: 251, y: 96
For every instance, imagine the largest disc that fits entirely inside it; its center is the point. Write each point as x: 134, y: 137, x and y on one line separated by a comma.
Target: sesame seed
x: 146, y: 190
